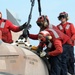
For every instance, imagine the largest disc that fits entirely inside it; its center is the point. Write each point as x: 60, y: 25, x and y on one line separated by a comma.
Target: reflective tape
x: 67, y: 26
x: 60, y: 27
x: 50, y: 26
x: 2, y: 25
x: 55, y: 33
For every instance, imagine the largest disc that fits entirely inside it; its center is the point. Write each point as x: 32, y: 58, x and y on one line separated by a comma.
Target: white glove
x: 42, y: 54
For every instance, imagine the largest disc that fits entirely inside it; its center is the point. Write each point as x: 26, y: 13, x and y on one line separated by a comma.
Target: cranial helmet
x: 63, y: 15
x: 43, y: 21
x: 43, y: 34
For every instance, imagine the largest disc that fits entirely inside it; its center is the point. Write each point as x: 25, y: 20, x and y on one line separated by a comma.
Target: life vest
x: 69, y: 30
x: 57, y: 34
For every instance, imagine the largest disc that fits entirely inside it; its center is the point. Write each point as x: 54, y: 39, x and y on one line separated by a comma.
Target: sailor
x: 43, y: 23
x: 68, y: 28
x: 6, y: 27
x: 54, y: 41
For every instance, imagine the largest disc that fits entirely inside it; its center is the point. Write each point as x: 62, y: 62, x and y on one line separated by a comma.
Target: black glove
x: 39, y: 49
x: 47, y: 51
x: 25, y: 25
x: 25, y: 33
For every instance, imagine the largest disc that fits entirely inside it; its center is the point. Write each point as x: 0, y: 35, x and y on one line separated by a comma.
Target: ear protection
x: 45, y: 21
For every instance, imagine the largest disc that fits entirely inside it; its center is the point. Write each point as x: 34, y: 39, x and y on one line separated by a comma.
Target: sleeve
x: 33, y: 36
x: 13, y: 27
x: 72, y: 32
x: 58, y: 48
x: 41, y: 45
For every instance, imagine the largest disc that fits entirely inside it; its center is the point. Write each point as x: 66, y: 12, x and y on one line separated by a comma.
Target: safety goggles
x: 61, y: 16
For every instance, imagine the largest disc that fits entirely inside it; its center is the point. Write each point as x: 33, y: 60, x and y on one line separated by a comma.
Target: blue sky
x: 51, y: 8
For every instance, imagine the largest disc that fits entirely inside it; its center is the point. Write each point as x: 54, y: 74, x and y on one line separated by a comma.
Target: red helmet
x: 63, y: 15
x: 43, y: 34
x: 0, y: 15
x: 43, y: 21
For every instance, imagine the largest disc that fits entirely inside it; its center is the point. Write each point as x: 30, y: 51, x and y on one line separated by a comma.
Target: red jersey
x: 68, y: 29
x: 55, y: 44
x: 6, y: 26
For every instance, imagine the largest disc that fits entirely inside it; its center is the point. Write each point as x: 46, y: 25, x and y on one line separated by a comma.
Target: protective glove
x: 25, y: 26
x: 34, y: 48
x: 43, y: 54
x: 25, y: 33
x: 39, y: 49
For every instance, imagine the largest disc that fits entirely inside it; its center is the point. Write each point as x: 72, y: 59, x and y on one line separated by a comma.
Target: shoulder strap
x: 55, y: 33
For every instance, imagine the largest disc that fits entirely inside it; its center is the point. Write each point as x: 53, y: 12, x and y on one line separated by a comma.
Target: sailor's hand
x: 26, y: 25
x: 43, y: 53
x: 34, y: 48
